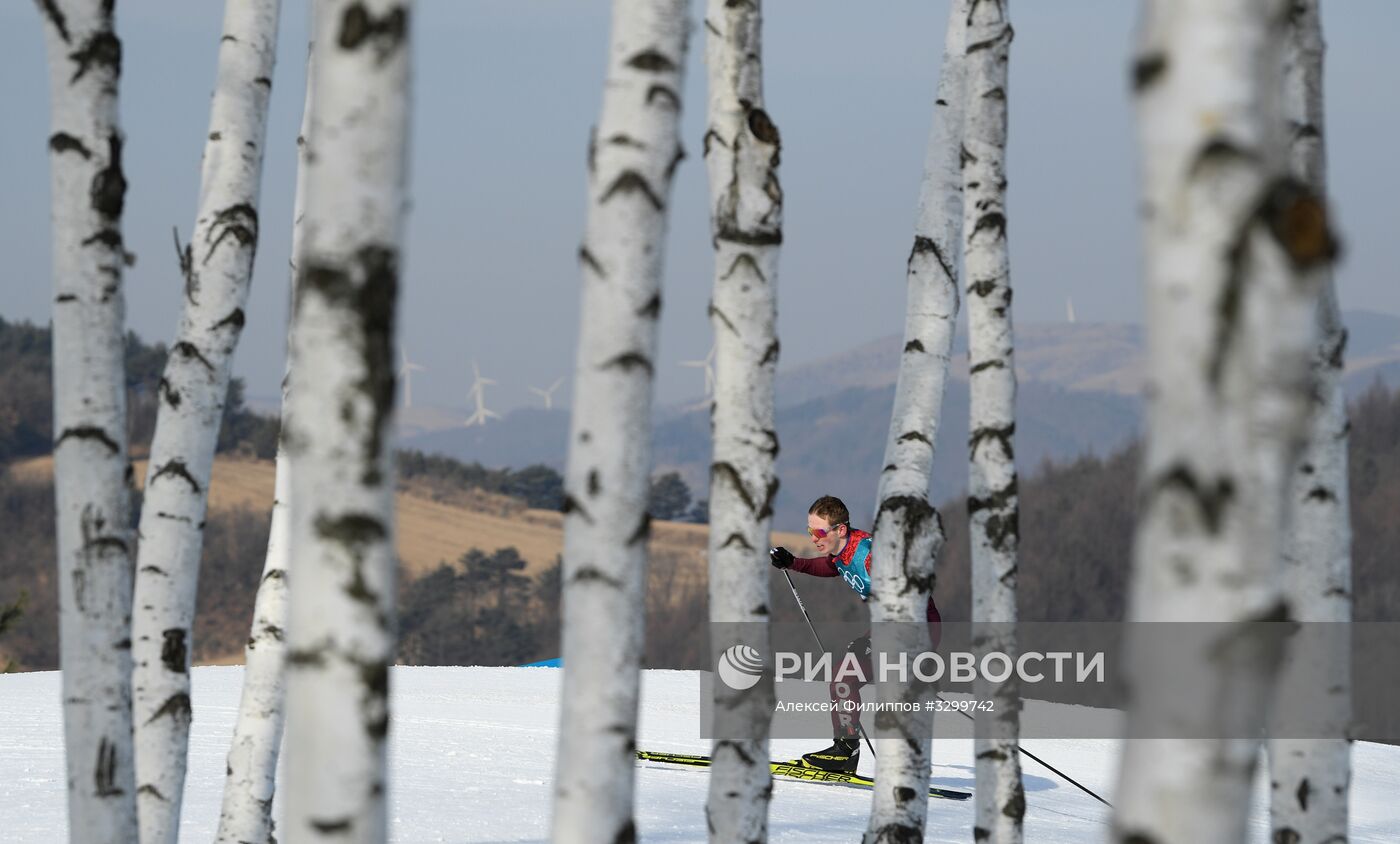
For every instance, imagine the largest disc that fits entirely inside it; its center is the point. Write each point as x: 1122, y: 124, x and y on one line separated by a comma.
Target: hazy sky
x: 506, y: 91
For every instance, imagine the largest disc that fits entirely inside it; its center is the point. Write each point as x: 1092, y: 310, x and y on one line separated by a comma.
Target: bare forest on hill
x: 1076, y: 526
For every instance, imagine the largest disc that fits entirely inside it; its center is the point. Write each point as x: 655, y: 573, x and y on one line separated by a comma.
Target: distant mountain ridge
x: 1078, y: 393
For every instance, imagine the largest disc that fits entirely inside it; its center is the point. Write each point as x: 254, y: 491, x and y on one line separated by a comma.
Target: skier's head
x: 828, y: 523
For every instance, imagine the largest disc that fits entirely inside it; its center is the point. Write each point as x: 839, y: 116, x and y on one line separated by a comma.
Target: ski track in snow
x: 472, y: 756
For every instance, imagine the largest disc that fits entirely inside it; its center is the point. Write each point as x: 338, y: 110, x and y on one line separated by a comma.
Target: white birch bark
x: 218, y: 267
x: 634, y: 152
x: 250, y: 780
x: 1232, y: 247
x: 339, y: 420
x: 742, y: 147
x: 992, y: 503
x: 1310, y: 778
x: 908, y: 529
x: 92, y: 475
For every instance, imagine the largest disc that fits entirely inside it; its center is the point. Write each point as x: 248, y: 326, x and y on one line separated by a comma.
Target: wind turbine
x: 478, y: 393
x: 547, y: 393
x: 708, y: 364
x: 406, y: 373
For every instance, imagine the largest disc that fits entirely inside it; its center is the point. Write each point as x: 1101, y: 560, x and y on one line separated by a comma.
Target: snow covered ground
x: 473, y: 754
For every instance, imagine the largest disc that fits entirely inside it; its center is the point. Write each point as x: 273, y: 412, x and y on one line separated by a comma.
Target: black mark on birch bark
x: 1006, y: 34
x: 105, y: 773
x: 50, y: 10
x: 627, y: 361
x: 744, y: 259
x: 711, y: 135
x: 770, y: 354
x: 1212, y: 501
x: 340, y: 826
x: 88, y: 432
x: 982, y: 288
x: 176, y: 707
x: 594, y: 574
x: 665, y: 93
x: 995, y: 221
x: 1147, y: 70
x: 189, y: 351
x: 719, y: 315
x: 914, y: 513
x: 572, y: 505
x: 1001, y: 435
x: 385, y: 34
x: 630, y: 181
x: 167, y: 392
x: 736, y: 539
x: 763, y: 128
x: 622, y: 139
x: 108, y: 191
x: 749, y: 238
x: 173, y: 654
x: 64, y: 142
x: 642, y: 531
x: 726, y: 470
x: 237, y: 221
x: 177, y: 469
x: 651, y: 61
x: 586, y: 258
x: 102, y: 49
x: 760, y: 237
x: 652, y: 309
x: 626, y: 834
x: 372, y: 303
x: 110, y: 238
x: 235, y: 320
x: 351, y: 530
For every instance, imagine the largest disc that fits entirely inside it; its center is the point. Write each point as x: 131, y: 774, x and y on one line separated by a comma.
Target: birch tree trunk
x: 339, y: 421
x: 92, y: 475
x: 992, y: 504
x: 251, y: 770
x: 741, y: 154
x: 1311, y: 778
x: 218, y: 268
x: 908, y: 530
x: 1233, y: 250
x: 633, y: 154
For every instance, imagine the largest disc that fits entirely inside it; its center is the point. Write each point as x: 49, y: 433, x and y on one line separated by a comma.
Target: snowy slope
x: 473, y: 748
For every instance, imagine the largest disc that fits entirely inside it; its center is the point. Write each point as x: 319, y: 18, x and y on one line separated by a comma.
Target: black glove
x: 780, y: 557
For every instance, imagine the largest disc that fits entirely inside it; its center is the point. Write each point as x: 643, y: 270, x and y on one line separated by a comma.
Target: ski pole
x: 810, y: 626
x: 1026, y: 752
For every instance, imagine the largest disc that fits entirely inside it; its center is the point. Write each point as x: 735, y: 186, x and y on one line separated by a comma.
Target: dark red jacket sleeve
x: 815, y: 566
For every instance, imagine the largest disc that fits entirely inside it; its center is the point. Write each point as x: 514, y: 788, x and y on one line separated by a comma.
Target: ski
x: 794, y: 770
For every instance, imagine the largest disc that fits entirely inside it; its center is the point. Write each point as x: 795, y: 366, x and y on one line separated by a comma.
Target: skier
x: 845, y: 552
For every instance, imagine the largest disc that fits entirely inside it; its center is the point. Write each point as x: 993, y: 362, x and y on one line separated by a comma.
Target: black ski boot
x: 841, y: 757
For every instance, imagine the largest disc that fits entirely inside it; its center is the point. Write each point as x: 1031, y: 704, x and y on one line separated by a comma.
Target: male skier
x: 845, y: 552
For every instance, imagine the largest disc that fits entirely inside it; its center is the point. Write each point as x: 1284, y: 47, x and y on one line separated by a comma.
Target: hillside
x: 460, y: 528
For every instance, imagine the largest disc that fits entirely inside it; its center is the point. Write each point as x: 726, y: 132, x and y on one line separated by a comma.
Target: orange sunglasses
x: 818, y: 533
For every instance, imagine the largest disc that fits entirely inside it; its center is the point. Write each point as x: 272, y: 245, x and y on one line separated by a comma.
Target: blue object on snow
x: 557, y: 662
